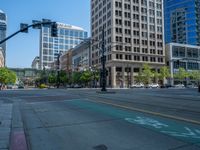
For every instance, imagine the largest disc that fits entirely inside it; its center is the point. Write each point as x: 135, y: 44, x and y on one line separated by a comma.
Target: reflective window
x: 71, y: 33
x: 62, y: 32
x: 67, y: 32
x: 76, y: 33
x: 45, y: 39
x: 81, y: 34
x: 50, y: 39
x: 61, y: 40
x: 45, y: 30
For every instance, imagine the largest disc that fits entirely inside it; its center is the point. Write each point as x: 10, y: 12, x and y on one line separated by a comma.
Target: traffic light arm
x: 24, y: 29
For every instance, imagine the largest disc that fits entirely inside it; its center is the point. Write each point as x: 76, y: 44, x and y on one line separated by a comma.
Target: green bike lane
x: 186, y: 132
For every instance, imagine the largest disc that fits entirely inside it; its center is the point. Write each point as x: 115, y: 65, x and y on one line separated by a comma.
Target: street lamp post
x: 103, y: 61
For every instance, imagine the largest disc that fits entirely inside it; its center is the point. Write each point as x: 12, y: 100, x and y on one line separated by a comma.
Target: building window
x: 128, y: 57
x: 137, y: 58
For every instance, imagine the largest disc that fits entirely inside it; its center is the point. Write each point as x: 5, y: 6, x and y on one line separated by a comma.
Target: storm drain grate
x: 100, y: 147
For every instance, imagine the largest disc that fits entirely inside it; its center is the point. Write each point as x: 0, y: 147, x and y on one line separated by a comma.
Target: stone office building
x: 134, y: 35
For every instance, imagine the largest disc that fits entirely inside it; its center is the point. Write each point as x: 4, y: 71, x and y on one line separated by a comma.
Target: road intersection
x: 153, y: 119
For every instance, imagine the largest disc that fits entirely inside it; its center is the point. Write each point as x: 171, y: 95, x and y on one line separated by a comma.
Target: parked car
x: 179, y: 86
x: 77, y: 86
x: 191, y: 86
x: 20, y: 87
x: 11, y: 86
x: 137, y: 85
x: 166, y: 86
x: 153, y: 85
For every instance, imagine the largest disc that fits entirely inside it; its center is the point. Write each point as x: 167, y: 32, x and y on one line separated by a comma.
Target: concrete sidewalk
x: 5, y: 125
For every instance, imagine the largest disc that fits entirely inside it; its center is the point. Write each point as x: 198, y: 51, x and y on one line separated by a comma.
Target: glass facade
x: 182, y: 21
x: 3, y: 31
x: 68, y: 37
x: 189, y: 56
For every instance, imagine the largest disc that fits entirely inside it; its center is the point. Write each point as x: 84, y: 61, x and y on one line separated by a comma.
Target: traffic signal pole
x: 25, y: 29
x: 12, y: 35
x: 103, y: 61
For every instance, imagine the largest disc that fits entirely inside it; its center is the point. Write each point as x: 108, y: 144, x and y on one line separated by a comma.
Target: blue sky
x: 22, y: 49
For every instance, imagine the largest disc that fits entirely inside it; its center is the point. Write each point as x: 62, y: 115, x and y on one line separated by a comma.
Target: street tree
x: 181, y: 75
x: 7, y: 76
x: 86, y: 77
x: 147, y: 74
x: 139, y: 78
x: 76, y: 77
x: 195, y: 75
x: 164, y: 73
x: 63, y: 78
x: 155, y: 76
x: 52, y: 79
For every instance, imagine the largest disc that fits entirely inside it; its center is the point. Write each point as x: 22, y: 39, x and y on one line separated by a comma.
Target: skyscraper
x: 182, y: 21
x: 68, y: 37
x: 133, y: 36
x: 3, y: 26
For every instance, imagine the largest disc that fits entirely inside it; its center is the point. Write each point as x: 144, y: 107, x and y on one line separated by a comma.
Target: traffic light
x: 36, y: 24
x: 54, y: 30
x: 24, y: 27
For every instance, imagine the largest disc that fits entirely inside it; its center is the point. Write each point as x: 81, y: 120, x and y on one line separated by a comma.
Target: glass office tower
x: 182, y: 21
x: 68, y: 37
x: 3, y: 26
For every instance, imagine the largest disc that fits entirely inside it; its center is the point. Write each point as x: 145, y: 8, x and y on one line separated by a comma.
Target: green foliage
x: 42, y: 86
x: 7, y: 76
x: 147, y: 74
x: 63, y: 77
x: 155, y: 76
x: 76, y: 77
x: 96, y: 75
x: 43, y: 78
x: 86, y: 76
x: 52, y: 79
x: 181, y: 75
x: 164, y: 73
x: 139, y: 78
x: 195, y: 75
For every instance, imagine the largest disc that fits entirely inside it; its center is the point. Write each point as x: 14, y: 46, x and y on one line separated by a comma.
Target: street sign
x: 24, y: 28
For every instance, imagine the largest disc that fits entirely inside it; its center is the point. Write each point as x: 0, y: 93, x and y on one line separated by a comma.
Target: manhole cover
x: 100, y: 147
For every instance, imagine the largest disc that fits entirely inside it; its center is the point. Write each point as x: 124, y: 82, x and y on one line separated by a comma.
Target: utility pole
x: 103, y: 61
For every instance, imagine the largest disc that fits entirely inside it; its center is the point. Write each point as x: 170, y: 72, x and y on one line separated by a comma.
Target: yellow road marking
x: 149, y: 112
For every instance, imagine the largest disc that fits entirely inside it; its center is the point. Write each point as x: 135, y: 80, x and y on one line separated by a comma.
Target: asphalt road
x: 81, y: 119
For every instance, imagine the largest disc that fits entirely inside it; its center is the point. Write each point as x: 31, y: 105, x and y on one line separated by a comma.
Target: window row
x: 127, y: 6
x: 139, y: 58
